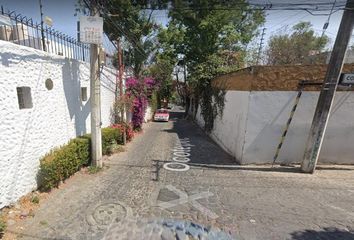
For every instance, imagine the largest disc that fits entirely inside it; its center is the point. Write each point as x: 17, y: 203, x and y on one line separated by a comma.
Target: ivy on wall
x: 211, y: 100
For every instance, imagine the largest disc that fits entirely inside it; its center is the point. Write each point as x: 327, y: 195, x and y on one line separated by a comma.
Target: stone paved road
x: 135, y: 194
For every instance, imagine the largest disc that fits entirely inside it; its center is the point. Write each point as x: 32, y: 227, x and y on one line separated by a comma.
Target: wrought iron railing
x: 24, y: 31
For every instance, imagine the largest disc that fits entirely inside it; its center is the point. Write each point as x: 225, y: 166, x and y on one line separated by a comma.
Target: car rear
x: 161, y: 116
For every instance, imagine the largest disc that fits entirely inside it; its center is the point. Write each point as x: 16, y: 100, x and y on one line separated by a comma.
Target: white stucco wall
x: 268, y: 114
x: 57, y: 115
x: 199, y: 118
x: 229, y: 130
x: 148, y: 114
x: 253, y: 122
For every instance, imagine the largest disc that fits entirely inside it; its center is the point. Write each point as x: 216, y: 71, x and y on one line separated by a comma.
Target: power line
x: 131, y: 38
x: 313, y: 6
x: 285, y: 19
x: 287, y: 24
x: 325, y: 26
x: 125, y: 33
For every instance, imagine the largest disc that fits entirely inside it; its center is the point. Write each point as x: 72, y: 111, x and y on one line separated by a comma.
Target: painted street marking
x: 184, y: 198
x: 181, y: 154
x: 167, y: 167
x: 103, y: 214
x: 179, y: 159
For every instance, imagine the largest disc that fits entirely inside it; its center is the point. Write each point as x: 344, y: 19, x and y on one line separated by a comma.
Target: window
x: 84, y: 94
x: 24, y: 97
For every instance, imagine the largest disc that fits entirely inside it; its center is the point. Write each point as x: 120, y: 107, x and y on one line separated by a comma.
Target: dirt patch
x: 23, y: 209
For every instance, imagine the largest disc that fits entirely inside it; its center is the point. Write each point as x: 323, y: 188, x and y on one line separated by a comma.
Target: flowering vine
x: 140, y: 90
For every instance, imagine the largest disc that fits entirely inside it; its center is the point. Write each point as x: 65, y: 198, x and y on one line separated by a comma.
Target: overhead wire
x: 281, y: 22
x: 308, y: 7
x: 128, y: 35
x: 124, y: 32
x: 313, y: 6
x: 325, y: 26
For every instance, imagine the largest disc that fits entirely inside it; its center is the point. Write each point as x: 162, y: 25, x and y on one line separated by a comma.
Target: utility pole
x: 329, y: 87
x: 260, y: 46
x: 120, y: 67
x: 95, y: 100
x: 42, y: 26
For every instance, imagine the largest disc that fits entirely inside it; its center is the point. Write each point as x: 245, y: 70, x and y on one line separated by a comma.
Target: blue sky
x: 62, y: 12
x: 278, y: 20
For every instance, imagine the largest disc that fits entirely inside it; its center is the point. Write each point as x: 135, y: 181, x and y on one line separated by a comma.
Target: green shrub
x: 2, y: 226
x: 35, y: 199
x: 110, y: 136
x: 63, y: 162
x: 83, y: 151
x: 93, y: 169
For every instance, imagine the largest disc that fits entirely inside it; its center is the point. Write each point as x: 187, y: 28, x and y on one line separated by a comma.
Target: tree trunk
x: 187, y: 102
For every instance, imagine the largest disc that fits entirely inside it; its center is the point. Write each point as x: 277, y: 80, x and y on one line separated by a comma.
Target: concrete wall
x: 253, y: 122
x: 229, y: 130
x: 267, y: 116
x: 57, y: 115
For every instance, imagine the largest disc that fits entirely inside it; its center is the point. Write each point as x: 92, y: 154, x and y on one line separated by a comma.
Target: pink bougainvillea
x: 140, y: 90
x: 149, y: 82
x: 139, y: 106
x: 128, y: 130
x: 131, y: 82
x: 150, y: 85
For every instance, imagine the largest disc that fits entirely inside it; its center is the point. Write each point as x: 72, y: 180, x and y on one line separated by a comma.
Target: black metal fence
x: 24, y: 31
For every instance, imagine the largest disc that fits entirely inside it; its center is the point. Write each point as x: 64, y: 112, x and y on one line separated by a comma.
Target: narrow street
x: 135, y: 191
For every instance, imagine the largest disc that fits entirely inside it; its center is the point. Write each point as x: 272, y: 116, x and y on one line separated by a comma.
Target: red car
x: 161, y: 115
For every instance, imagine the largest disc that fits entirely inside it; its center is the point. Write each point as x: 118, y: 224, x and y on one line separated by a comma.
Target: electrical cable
x: 308, y: 7
x: 325, y: 26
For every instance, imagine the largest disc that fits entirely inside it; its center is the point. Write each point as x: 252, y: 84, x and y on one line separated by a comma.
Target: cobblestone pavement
x: 214, y: 199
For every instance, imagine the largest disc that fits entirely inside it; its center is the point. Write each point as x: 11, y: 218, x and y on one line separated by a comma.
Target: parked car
x: 161, y: 115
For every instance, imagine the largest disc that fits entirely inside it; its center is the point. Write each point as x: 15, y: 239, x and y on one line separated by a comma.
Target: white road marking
x: 167, y: 167
x: 184, y: 198
x: 181, y: 152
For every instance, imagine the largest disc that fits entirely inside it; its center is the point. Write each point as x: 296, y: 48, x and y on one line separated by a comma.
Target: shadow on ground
x: 207, y: 154
x: 324, y: 234
x: 204, y: 150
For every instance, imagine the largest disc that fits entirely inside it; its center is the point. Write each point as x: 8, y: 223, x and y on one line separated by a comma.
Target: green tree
x: 135, y: 27
x: 301, y: 46
x: 166, y: 60
x: 127, y: 21
x: 161, y: 71
x: 215, y: 38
